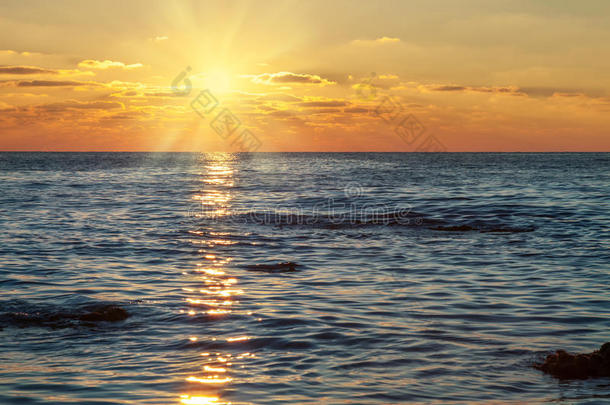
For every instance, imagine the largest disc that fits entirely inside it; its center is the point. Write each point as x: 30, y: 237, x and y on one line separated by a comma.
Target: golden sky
x: 305, y: 76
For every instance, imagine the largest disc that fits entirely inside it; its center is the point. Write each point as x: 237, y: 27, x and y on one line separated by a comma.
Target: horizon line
x: 312, y: 151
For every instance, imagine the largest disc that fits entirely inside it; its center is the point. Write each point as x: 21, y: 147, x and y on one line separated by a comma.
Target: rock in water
x: 108, y: 313
x: 564, y: 365
x: 283, y: 267
x: 56, y: 317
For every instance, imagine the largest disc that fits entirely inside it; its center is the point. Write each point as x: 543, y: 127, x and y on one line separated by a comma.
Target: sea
x: 301, y: 278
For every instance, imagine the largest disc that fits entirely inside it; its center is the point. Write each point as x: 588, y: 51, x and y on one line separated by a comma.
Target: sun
x: 217, y: 80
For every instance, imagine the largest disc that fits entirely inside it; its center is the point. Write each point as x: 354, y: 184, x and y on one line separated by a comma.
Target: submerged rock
x: 564, y: 365
x: 273, y: 268
x: 57, y: 317
x: 107, y: 313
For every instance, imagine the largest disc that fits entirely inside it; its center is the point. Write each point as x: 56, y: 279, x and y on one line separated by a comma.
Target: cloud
x: 323, y: 111
x: 288, y: 77
x: 378, y: 41
x: 511, y: 90
x: 35, y: 70
x: 550, y: 91
x: 450, y: 88
x: 127, y: 93
x: 107, y: 64
x: 81, y: 105
x: 388, y: 77
x: 288, y: 98
x: 163, y: 94
x: 6, y: 52
x: 120, y: 85
x: 25, y: 70
x: 160, y: 38
x: 51, y: 83
x: 568, y: 95
x: 284, y: 114
x: 73, y: 111
x: 130, y: 115
x: 356, y: 110
x: 331, y: 103
x: 24, y: 95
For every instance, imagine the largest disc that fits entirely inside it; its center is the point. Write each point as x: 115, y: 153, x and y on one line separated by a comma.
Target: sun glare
x: 217, y: 80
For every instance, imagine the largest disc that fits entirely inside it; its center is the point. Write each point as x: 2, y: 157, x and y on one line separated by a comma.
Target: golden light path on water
x: 219, y: 292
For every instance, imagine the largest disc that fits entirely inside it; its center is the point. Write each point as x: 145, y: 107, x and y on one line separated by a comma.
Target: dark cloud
x: 25, y: 70
x: 288, y: 77
x: 332, y: 103
x: 281, y: 113
x: 133, y: 115
x: 453, y: 88
x: 81, y: 105
x: 53, y: 83
x: 450, y: 88
x: 164, y: 94
x: 323, y: 111
x: 568, y: 95
x: 549, y: 91
x: 506, y: 90
x: 540, y: 92
x: 356, y: 110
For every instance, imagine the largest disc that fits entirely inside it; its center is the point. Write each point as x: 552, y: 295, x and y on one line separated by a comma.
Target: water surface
x: 421, y: 278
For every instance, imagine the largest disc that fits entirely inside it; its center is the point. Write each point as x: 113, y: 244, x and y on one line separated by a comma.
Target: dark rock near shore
x: 564, y: 365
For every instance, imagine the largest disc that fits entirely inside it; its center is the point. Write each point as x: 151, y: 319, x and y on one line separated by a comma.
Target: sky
x: 305, y: 75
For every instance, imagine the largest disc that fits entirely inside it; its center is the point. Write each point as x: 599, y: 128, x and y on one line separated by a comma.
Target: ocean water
x: 415, y: 278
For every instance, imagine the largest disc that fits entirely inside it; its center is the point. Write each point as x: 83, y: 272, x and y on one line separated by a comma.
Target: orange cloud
x: 378, y: 41
x: 107, y: 64
x: 7, y: 52
x: 288, y: 77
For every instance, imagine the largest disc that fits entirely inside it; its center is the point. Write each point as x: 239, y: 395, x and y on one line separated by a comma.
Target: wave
x: 483, y: 229
x: 351, y: 219
x: 324, y: 220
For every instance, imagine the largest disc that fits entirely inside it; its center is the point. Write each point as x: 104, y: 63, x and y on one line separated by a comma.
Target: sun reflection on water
x: 217, y: 292
x: 195, y: 400
x: 210, y: 379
